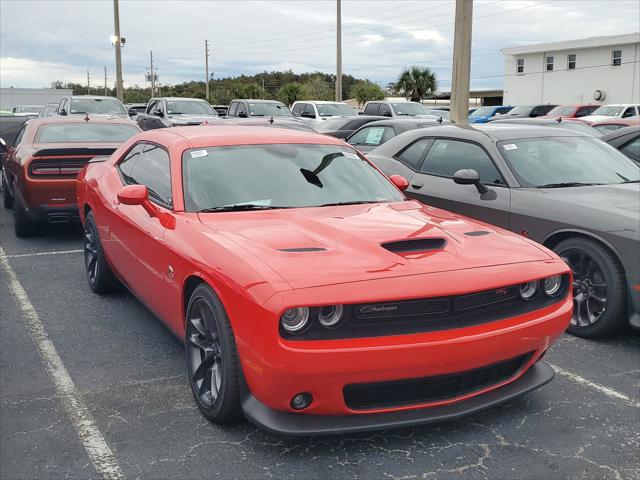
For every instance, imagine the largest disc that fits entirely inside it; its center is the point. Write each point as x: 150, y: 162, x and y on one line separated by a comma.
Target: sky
x: 43, y: 41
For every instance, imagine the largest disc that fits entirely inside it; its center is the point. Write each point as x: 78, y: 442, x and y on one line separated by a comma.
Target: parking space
x: 129, y: 372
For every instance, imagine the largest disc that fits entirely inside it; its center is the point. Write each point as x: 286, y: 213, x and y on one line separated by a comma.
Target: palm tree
x: 290, y: 92
x: 417, y: 83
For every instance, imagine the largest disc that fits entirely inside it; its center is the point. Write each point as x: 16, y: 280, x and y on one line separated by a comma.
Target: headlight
x: 528, y: 290
x: 552, y: 285
x: 330, y: 315
x: 294, y: 320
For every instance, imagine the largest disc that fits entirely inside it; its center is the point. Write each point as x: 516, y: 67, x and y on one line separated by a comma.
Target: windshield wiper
x: 239, y: 208
x: 567, y: 184
x: 353, y: 202
x: 631, y: 181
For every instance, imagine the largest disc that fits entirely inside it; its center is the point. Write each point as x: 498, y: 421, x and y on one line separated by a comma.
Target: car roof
x: 93, y: 97
x: 82, y: 119
x: 220, y: 135
x: 173, y: 99
x: 318, y: 102
x: 256, y: 100
x: 401, y: 122
x: 495, y: 132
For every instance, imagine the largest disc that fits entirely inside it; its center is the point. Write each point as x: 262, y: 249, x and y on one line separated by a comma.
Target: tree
x: 249, y: 90
x: 366, y: 91
x: 316, y: 88
x: 416, y: 83
x: 290, y: 92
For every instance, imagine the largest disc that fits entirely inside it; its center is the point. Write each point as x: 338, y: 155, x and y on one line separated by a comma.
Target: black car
x: 524, y: 111
x: 374, y: 134
x: 627, y: 140
x: 550, y: 122
x: 342, y: 127
x: 245, y: 108
x: 163, y: 112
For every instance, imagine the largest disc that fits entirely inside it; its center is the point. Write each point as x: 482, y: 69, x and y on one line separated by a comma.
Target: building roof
x: 574, y: 44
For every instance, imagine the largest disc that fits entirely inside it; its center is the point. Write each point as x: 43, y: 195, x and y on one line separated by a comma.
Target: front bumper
x: 299, y: 424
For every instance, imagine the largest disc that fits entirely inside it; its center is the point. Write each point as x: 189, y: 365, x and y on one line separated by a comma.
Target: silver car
x: 569, y: 191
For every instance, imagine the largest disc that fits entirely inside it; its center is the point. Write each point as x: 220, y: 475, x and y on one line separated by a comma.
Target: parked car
x: 163, y: 112
x: 484, y: 114
x: 91, y: 105
x: 396, y: 109
x: 49, y: 110
x: 607, y: 112
x: 471, y: 110
x: 30, y: 111
x: 257, y: 108
x: 221, y: 110
x: 39, y: 175
x: 135, y: 108
x: 342, y: 127
x: 627, y: 140
x: 566, y: 190
x: 571, y: 111
x: 559, y: 122
x: 524, y: 111
x: 614, y: 123
x: 310, y: 294
x: 374, y: 134
x: 321, y: 110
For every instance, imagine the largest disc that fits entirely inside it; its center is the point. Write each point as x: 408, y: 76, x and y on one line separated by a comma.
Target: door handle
x: 417, y: 186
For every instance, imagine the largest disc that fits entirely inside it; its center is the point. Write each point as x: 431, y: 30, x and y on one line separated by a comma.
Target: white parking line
x: 610, y: 392
x: 37, y: 254
x: 94, y: 443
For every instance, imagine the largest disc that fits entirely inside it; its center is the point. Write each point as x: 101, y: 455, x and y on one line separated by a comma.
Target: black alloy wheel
x: 212, y: 358
x: 99, y: 276
x: 599, y: 292
x: 7, y: 200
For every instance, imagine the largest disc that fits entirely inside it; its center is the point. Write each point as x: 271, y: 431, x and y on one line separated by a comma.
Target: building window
x: 616, y: 58
x: 520, y: 67
x: 549, y: 64
x: 571, y: 61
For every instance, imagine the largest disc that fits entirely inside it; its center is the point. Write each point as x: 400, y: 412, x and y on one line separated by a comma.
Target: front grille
x: 415, y: 391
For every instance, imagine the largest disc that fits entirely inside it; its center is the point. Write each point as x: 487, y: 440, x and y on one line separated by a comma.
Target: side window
x: 448, y: 156
x: 538, y: 111
x: 385, y: 110
x: 520, y: 65
x: 372, y: 136
x: 233, y: 109
x: 152, y: 105
x: 63, y: 105
x: 153, y: 170
x: 308, y: 110
x: 372, y: 109
x: 19, y: 136
x: 632, y: 149
x: 297, y: 109
x: 160, y: 106
x: 242, y: 108
x: 629, y: 112
x: 584, y: 111
x: 126, y: 165
x: 413, y: 154
x: 571, y: 61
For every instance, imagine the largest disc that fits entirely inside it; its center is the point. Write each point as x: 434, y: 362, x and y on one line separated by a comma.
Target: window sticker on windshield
x: 199, y: 153
x: 350, y: 155
x: 374, y: 136
x: 510, y: 146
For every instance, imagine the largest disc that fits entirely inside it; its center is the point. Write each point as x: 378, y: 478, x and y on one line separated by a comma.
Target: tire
x: 599, y: 288
x: 23, y: 226
x: 99, y: 275
x: 212, y: 357
x: 7, y: 200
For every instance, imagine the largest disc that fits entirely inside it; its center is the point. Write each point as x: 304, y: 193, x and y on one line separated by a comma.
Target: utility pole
x: 339, y: 52
x: 118, y: 45
x: 105, y: 81
x: 461, y: 62
x: 153, y: 78
x: 88, y: 84
x: 206, y: 69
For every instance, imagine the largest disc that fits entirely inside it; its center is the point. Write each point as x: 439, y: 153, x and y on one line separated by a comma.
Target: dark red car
x: 310, y: 293
x: 40, y: 170
x: 570, y: 111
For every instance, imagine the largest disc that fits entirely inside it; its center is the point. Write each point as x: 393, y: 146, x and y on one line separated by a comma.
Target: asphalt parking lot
x: 129, y: 376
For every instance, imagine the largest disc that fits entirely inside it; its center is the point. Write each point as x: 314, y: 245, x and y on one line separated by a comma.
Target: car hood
x: 198, y: 119
x: 598, y: 118
x: 329, y: 245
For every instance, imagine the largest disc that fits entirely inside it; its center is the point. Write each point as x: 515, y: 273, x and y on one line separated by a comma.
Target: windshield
x: 189, y: 107
x: 409, y: 108
x: 520, y: 111
x: 269, y: 110
x: 562, y: 110
x: 281, y: 176
x: 608, y: 110
x: 483, y: 112
x: 335, y: 110
x: 332, y: 124
x: 539, y: 162
x: 96, y: 105
x: 49, y: 110
x: 28, y: 109
x: 85, y: 132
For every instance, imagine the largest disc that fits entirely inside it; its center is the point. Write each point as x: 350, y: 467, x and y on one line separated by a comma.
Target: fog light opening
x: 301, y: 401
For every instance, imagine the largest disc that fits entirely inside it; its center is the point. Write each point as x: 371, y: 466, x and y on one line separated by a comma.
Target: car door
x: 137, y: 249
x: 433, y: 182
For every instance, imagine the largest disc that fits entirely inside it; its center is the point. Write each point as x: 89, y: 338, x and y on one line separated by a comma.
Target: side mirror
x: 132, y: 112
x: 242, y: 114
x: 157, y: 112
x: 400, y: 182
x: 385, y: 113
x: 468, y: 176
x: 63, y: 112
x: 307, y: 115
x: 136, y: 195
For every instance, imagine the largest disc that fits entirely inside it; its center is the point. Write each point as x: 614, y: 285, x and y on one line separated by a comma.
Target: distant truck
x: 163, y: 112
x: 91, y: 105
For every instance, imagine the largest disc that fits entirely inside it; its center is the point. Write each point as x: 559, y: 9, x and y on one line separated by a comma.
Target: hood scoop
x: 302, y: 249
x: 414, y: 245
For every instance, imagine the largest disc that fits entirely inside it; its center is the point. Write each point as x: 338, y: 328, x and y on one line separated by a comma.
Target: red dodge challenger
x: 310, y: 293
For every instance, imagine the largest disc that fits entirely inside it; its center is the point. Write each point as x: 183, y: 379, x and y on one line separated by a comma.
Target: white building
x: 13, y: 97
x: 592, y: 70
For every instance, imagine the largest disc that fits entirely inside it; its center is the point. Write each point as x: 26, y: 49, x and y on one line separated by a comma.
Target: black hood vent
x: 415, y: 245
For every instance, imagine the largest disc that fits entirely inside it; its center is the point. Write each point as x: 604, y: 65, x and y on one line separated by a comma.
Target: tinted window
x: 19, y: 137
x: 63, y: 105
x: 309, y: 110
x: 448, y: 156
x: 372, y: 109
x: 126, y: 165
x: 189, y: 107
x: 152, y: 170
x: 297, y: 109
x: 372, y: 136
x: 233, y: 109
x: 281, y: 176
x: 85, y: 132
x: 412, y: 155
x: 629, y: 112
x: 151, y: 107
x: 632, y: 149
x: 584, y: 111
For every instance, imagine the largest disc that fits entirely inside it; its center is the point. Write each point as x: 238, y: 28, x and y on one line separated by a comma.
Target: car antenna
x: 86, y: 117
x: 559, y: 119
x: 439, y: 120
x: 270, y: 120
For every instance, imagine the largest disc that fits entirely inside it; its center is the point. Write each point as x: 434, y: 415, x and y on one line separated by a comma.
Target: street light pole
x: 461, y: 62
x: 339, y: 51
x: 206, y: 69
x: 118, y: 45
